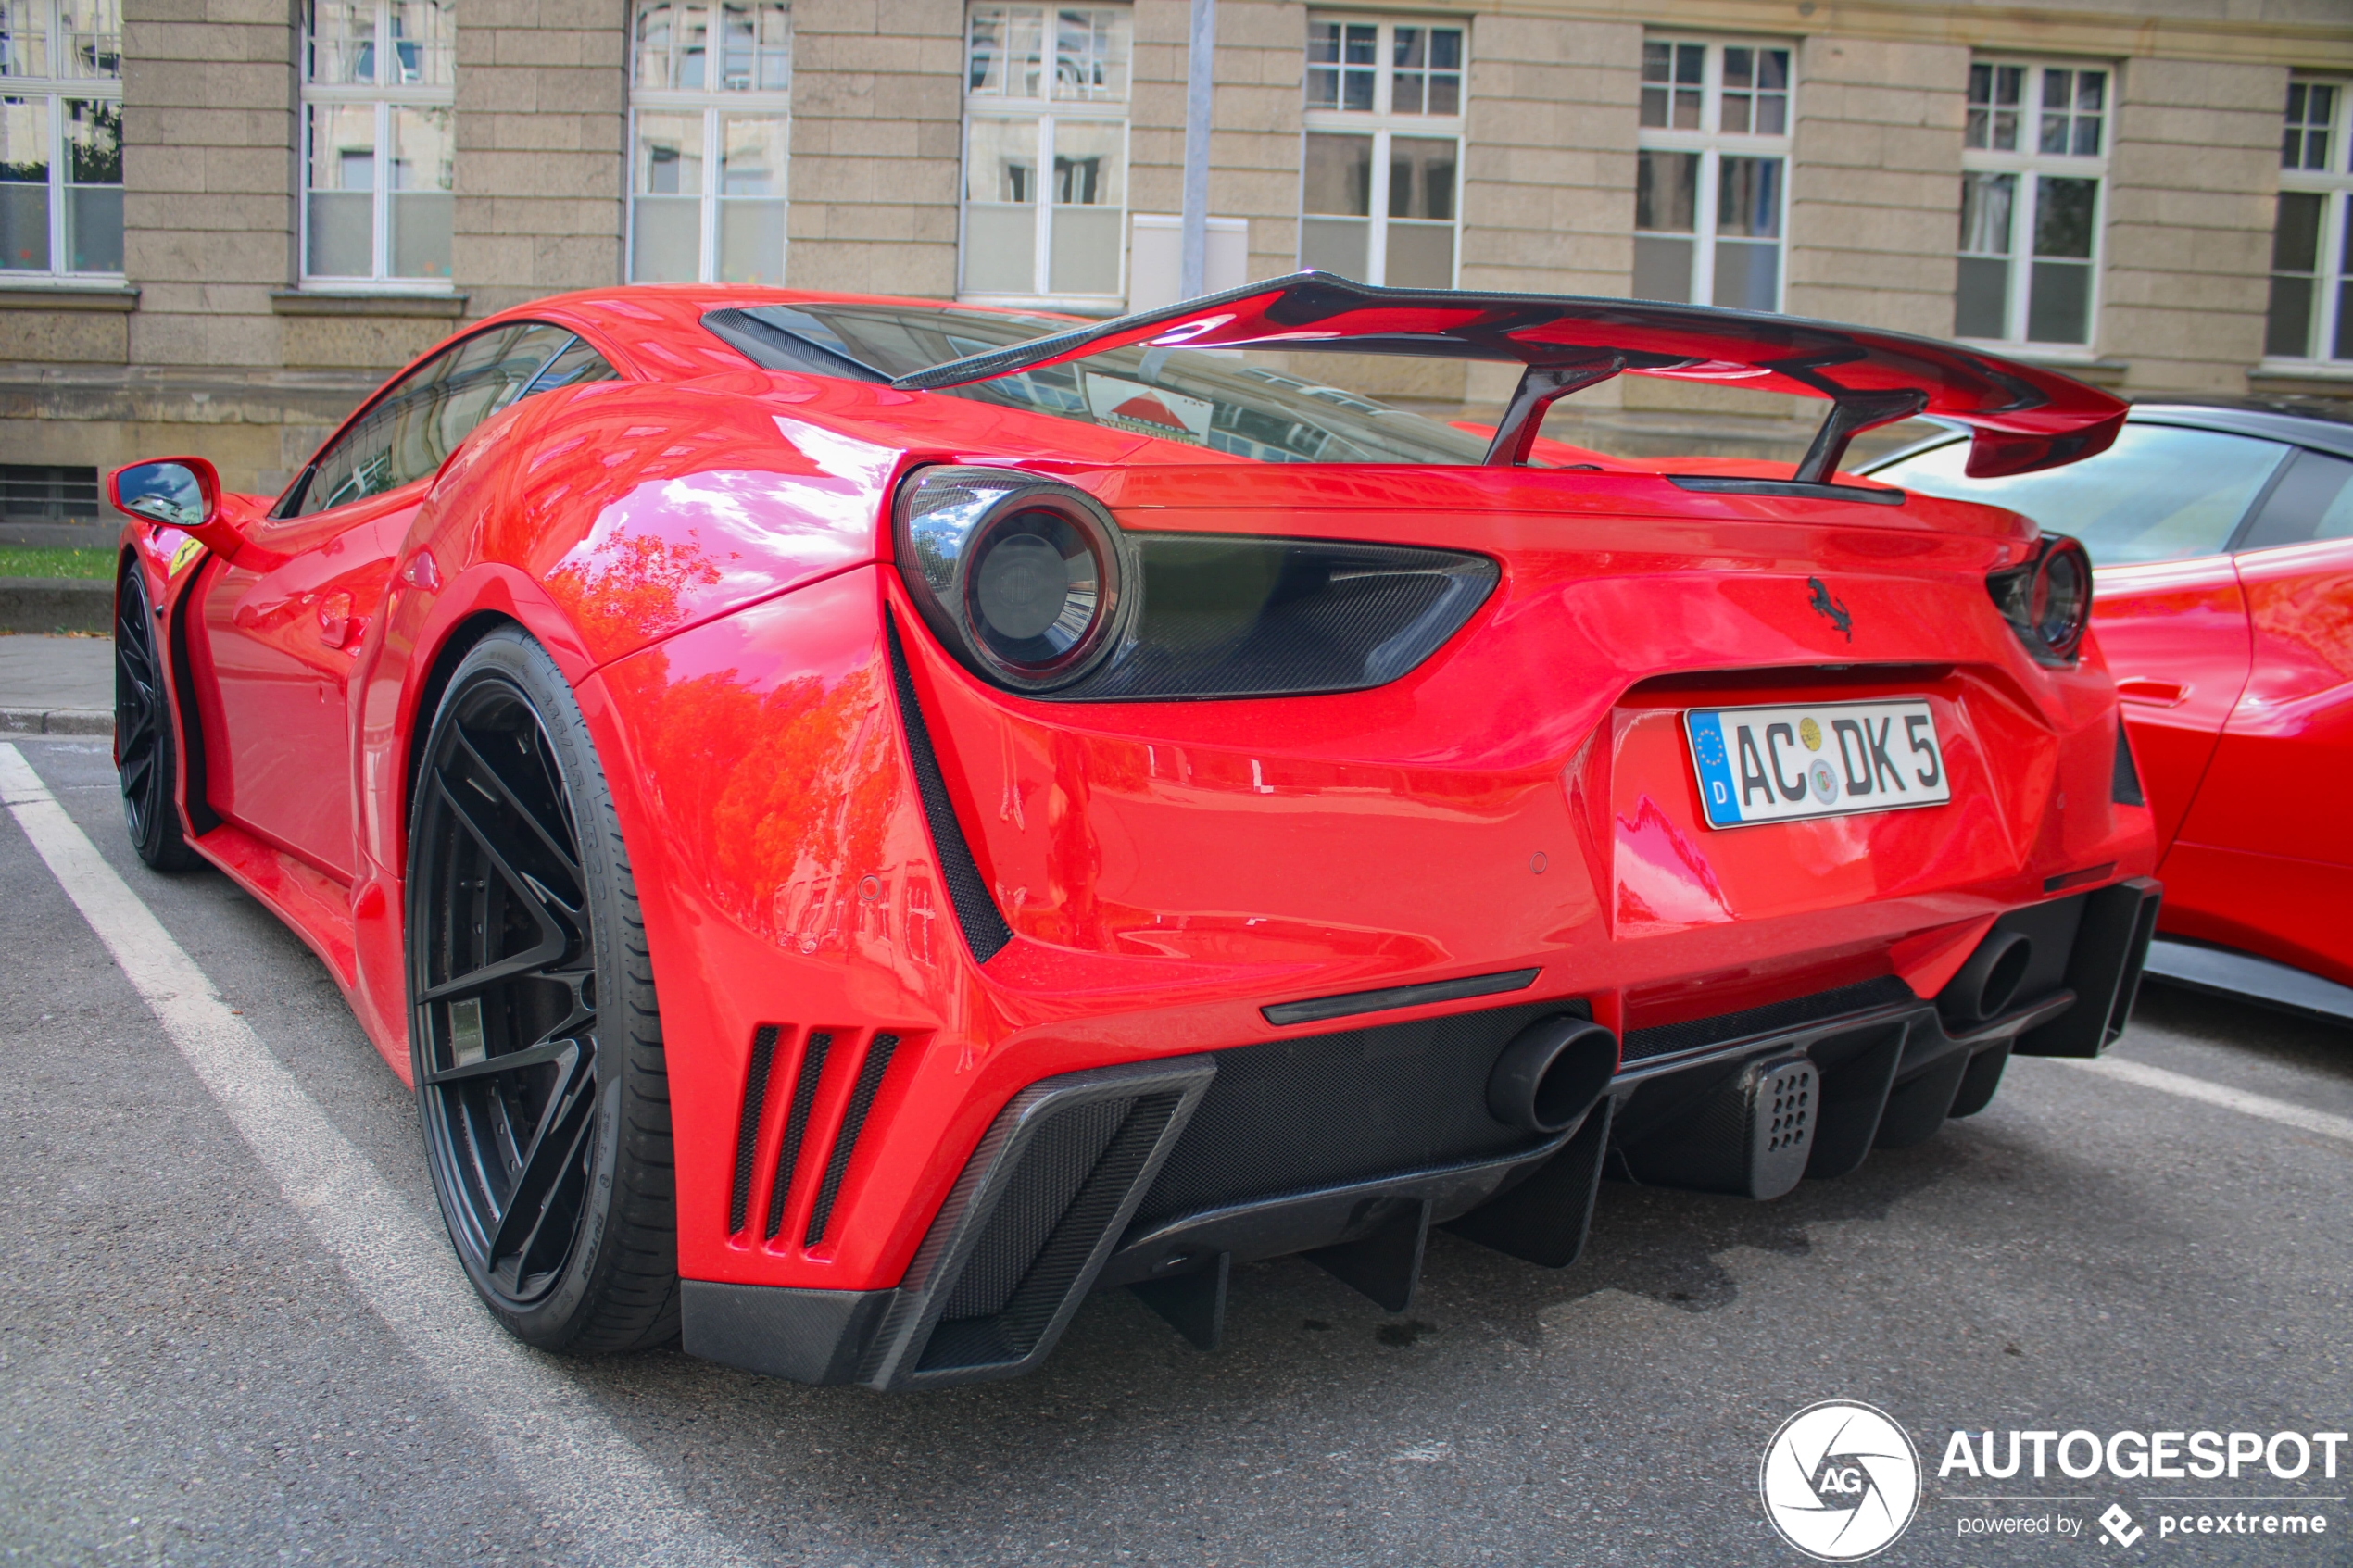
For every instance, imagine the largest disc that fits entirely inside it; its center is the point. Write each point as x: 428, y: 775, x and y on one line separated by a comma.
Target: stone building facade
x: 2152, y: 193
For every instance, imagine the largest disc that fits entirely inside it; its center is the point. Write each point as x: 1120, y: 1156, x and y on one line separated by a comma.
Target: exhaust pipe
x: 1551, y: 1074
x: 1986, y: 985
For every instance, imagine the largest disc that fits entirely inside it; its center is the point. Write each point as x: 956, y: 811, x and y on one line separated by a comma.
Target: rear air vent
x: 804, y: 1095
x: 764, y: 1048
x: 1024, y: 1231
x: 1081, y: 1171
x: 853, y: 1122
x: 977, y: 915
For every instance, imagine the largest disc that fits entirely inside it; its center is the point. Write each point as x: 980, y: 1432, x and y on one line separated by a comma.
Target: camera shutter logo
x: 1840, y: 1481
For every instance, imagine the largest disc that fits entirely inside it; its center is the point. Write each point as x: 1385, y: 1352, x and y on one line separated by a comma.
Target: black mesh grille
x: 804, y: 1094
x: 2125, y: 787
x: 853, y: 1122
x: 763, y: 1047
x: 1046, y: 1282
x: 1291, y: 1115
x: 1670, y: 1039
x: 1051, y: 1171
x: 976, y: 913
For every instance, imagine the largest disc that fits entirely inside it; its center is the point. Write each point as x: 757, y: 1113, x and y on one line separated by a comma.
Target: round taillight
x: 2062, y: 596
x: 1023, y: 579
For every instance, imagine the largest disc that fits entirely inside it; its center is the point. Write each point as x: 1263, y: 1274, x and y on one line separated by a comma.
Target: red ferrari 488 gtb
x: 865, y: 821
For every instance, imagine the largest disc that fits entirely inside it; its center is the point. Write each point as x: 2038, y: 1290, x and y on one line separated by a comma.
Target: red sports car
x: 865, y: 821
x: 2223, y: 533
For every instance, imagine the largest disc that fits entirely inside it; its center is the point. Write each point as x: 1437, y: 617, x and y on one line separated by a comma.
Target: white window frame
x: 53, y: 88
x: 1714, y: 144
x: 1045, y: 113
x: 2334, y: 186
x: 712, y: 103
x: 384, y: 99
x: 2030, y: 167
x: 1384, y: 125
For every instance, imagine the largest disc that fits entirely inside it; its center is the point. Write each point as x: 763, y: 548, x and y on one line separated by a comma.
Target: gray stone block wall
x: 876, y: 134
x: 2193, y: 177
x: 1875, y: 187
x: 213, y: 350
x: 543, y: 95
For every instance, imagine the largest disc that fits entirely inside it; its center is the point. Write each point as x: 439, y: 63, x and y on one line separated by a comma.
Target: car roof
x: 2324, y: 423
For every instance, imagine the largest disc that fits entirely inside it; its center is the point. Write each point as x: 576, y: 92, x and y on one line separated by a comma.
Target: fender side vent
x: 983, y: 923
x: 764, y: 1049
x: 853, y: 1122
x: 804, y: 1095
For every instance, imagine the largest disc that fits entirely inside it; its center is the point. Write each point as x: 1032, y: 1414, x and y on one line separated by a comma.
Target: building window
x: 378, y: 81
x: 60, y: 138
x: 2311, y: 315
x: 711, y: 111
x: 2032, y: 164
x: 1711, y: 174
x: 1046, y: 89
x: 1381, y: 176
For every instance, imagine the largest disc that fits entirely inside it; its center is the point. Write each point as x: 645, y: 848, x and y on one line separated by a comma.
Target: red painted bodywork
x: 2236, y: 675
x: 704, y: 547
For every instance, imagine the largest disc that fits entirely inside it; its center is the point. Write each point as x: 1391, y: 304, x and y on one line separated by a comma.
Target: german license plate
x: 1822, y: 760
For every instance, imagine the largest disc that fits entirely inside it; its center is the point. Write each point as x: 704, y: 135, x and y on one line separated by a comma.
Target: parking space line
x: 2182, y: 1083
x: 552, y: 1439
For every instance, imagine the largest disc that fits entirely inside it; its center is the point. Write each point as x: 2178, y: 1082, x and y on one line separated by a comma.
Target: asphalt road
x: 208, y: 1356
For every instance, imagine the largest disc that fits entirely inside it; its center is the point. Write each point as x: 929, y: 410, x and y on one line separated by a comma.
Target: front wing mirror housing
x: 182, y: 493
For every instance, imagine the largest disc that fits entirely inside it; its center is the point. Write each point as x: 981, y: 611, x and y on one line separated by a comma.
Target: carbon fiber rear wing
x: 2022, y: 418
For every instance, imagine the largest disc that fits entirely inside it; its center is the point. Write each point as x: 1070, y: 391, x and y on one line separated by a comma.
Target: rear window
x: 1207, y: 398
x: 2161, y: 493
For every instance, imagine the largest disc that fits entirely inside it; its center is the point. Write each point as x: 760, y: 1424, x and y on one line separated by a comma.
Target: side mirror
x: 182, y: 493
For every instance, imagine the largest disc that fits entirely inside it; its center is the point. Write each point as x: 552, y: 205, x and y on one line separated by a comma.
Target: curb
x: 56, y: 604
x: 55, y: 722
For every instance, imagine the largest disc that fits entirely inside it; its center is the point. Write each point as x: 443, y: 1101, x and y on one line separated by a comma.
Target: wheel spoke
x: 537, y: 1055
x: 514, y: 804
x: 136, y: 765
x: 552, y: 1146
x: 554, y: 941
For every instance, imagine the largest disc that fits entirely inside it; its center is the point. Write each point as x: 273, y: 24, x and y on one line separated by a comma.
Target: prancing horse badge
x: 1831, y: 609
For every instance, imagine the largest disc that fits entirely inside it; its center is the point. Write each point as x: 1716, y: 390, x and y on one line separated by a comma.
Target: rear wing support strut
x: 1540, y: 388
x: 1851, y: 414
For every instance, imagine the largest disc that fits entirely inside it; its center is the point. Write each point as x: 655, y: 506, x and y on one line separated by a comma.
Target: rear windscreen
x: 1205, y: 398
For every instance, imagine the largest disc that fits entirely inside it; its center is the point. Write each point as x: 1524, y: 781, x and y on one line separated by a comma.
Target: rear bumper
x: 1347, y: 1147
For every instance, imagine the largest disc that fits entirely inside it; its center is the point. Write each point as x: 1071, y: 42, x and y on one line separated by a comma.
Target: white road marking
x: 549, y: 1435
x: 2182, y: 1083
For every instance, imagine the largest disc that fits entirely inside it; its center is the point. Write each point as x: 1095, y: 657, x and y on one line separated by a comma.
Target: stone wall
x: 877, y: 121
x: 210, y: 348
x: 1875, y: 189
x: 543, y: 91
x: 2192, y: 180
x: 1254, y: 143
x: 1548, y: 163
x: 209, y: 136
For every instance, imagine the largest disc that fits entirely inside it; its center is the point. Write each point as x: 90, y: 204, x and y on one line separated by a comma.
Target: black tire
x: 146, y: 758
x: 524, y: 940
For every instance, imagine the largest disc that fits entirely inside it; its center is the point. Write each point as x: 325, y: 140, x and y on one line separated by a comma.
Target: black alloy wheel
x: 146, y: 761
x: 534, y: 1034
